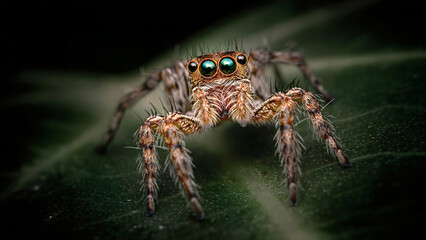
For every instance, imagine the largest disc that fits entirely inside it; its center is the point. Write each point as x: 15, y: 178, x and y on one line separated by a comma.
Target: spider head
x: 222, y: 65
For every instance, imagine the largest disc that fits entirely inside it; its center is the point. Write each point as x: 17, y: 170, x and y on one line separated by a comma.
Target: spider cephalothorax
x: 224, y: 85
x: 220, y: 88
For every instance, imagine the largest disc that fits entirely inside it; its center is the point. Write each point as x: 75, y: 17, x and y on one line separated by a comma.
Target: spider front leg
x: 173, y: 128
x: 281, y: 108
x: 148, y: 162
x: 321, y: 127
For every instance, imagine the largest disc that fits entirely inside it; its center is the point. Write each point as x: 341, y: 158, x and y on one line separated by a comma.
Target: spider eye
x: 192, y: 66
x: 208, y: 68
x: 227, y: 65
x: 241, y: 59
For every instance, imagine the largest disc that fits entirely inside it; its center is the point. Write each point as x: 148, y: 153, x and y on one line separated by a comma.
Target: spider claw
x: 149, y: 213
x: 347, y: 165
x: 198, y: 209
x: 293, y: 193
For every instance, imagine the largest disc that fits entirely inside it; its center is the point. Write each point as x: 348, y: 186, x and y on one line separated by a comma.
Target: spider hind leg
x: 175, y: 79
x: 260, y: 58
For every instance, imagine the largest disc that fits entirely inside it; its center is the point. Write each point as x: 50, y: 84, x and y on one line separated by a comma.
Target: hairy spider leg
x: 297, y: 59
x: 321, y: 127
x: 175, y: 79
x: 257, y: 63
x: 126, y: 101
x: 289, y: 57
x: 148, y: 163
x: 281, y: 108
x: 286, y: 144
x: 173, y: 127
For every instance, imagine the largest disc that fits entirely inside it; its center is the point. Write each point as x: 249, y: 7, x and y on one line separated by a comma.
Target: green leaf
x: 66, y: 189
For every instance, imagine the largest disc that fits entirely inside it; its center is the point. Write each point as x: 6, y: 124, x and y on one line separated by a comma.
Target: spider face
x: 222, y: 65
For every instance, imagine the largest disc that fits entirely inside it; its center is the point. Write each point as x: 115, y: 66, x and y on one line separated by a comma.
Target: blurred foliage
x: 64, y: 190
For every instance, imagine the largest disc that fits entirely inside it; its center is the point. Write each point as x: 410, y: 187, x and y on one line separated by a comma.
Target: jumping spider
x: 213, y: 88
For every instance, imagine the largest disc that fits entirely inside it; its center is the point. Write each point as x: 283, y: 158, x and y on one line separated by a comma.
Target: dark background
x: 99, y: 37
x: 117, y: 38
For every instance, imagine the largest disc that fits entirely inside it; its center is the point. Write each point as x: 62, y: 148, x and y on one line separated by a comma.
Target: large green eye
x: 227, y: 65
x: 208, y: 68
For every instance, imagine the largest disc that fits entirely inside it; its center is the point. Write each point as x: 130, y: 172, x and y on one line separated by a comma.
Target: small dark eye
x: 208, y: 68
x: 241, y: 59
x: 227, y: 65
x: 192, y: 66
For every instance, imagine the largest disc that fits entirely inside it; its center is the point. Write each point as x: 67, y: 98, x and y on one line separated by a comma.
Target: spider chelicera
x: 213, y: 88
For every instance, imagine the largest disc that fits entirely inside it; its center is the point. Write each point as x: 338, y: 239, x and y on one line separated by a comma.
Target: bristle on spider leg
x: 137, y: 114
x: 164, y: 108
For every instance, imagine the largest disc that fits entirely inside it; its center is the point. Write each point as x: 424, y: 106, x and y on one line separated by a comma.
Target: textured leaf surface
x: 67, y: 190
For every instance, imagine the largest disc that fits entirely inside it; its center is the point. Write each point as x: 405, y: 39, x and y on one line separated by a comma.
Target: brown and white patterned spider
x: 213, y: 88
